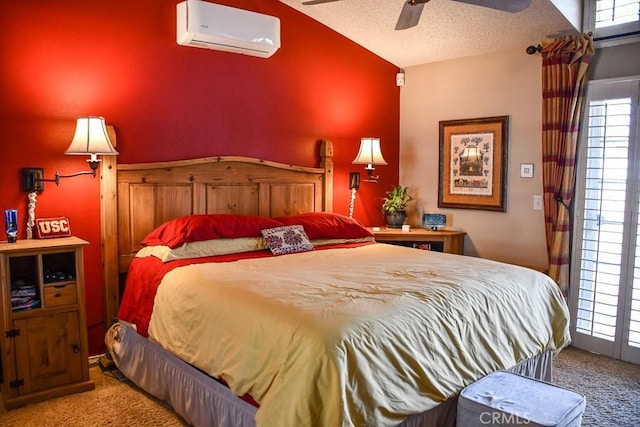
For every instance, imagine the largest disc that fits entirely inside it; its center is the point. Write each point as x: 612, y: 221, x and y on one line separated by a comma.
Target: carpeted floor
x: 112, y: 403
x: 612, y: 389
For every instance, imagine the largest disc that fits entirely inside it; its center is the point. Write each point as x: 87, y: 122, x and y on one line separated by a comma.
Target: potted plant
x: 394, y: 206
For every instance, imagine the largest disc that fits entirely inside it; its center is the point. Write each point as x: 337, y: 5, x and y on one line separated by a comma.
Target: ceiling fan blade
x: 410, y: 15
x: 312, y: 2
x: 512, y: 6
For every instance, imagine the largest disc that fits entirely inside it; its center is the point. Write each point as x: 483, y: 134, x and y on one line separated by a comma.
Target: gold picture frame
x: 473, y: 163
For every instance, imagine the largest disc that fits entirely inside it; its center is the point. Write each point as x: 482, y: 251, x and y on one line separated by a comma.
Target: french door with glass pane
x: 605, y: 277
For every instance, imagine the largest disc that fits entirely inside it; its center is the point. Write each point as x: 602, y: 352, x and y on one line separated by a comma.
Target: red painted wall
x: 119, y: 59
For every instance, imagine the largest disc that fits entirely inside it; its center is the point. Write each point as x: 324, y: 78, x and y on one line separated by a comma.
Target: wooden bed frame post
x: 326, y: 163
x: 108, y: 231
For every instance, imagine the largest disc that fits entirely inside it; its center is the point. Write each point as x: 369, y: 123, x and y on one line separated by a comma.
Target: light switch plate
x: 537, y: 203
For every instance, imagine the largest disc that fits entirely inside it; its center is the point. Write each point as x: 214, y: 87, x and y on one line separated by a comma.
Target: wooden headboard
x: 136, y: 198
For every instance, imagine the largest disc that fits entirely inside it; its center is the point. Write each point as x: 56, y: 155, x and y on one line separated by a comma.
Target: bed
x: 250, y: 303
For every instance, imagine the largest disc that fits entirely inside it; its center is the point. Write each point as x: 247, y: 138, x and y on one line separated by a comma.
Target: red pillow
x: 326, y: 225
x: 195, y: 228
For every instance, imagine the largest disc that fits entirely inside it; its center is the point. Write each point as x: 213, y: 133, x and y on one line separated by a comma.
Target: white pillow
x: 204, y: 248
x: 324, y: 242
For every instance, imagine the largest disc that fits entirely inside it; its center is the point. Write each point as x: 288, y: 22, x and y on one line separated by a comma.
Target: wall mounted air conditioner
x: 213, y: 26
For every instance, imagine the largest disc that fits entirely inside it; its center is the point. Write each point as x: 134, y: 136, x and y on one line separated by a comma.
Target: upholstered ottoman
x: 506, y: 399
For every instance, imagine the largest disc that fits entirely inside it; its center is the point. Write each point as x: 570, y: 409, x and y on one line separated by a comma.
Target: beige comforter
x: 358, y: 336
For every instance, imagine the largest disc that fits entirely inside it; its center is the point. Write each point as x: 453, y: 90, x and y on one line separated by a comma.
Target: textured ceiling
x: 447, y: 29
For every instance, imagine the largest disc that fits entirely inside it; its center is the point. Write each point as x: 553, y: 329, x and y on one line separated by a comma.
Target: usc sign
x: 53, y: 227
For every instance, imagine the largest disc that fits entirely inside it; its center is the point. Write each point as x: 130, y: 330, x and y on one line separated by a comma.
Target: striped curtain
x: 565, y: 62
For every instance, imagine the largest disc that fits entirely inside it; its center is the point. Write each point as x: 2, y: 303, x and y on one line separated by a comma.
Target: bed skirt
x: 203, y: 401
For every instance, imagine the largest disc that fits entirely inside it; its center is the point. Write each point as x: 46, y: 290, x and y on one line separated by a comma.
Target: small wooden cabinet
x: 44, y: 346
x: 442, y: 241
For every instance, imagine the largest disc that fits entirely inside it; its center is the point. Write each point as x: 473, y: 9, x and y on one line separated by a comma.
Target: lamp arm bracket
x: 71, y: 175
x: 33, y: 178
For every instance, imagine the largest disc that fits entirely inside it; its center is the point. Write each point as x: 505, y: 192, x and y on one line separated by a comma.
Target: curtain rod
x: 531, y: 50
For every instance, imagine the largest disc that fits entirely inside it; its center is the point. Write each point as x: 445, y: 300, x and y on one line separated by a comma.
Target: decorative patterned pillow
x: 286, y: 240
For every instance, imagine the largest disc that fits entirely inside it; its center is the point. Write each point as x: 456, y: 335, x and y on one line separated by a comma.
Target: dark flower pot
x: 395, y: 220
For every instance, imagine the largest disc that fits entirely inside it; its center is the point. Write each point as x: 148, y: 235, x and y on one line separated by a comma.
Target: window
x: 617, y: 20
x: 605, y: 184
x: 605, y: 285
x: 616, y: 12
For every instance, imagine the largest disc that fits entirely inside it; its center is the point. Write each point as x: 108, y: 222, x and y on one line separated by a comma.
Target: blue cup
x: 11, y: 224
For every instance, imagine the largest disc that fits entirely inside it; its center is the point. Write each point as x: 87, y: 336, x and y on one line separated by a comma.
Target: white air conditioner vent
x: 213, y: 26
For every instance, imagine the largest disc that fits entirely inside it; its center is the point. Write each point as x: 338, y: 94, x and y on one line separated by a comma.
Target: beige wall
x: 615, y: 61
x: 497, y: 84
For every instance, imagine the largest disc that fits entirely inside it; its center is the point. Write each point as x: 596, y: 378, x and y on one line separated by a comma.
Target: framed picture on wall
x: 473, y: 163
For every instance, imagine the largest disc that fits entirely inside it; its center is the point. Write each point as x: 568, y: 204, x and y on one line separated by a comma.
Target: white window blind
x: 603, y: 228
x: 616, y: 12
x: 605, y: 265
x: 634, y: 321
x: 612, y: 21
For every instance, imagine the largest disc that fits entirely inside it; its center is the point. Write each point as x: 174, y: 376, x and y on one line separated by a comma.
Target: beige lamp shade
x: 91, y: 138
x: 370, y: 153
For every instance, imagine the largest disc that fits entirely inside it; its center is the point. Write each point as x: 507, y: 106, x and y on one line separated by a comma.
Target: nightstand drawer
x: 56, y: 295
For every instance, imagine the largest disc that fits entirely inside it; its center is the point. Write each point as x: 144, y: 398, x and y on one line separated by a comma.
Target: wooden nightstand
x: 442, y: 241
x: 44, y: 336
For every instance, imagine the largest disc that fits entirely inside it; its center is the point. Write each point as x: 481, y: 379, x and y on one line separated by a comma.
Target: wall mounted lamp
x: 91, y: 139
x: 370, y: 155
